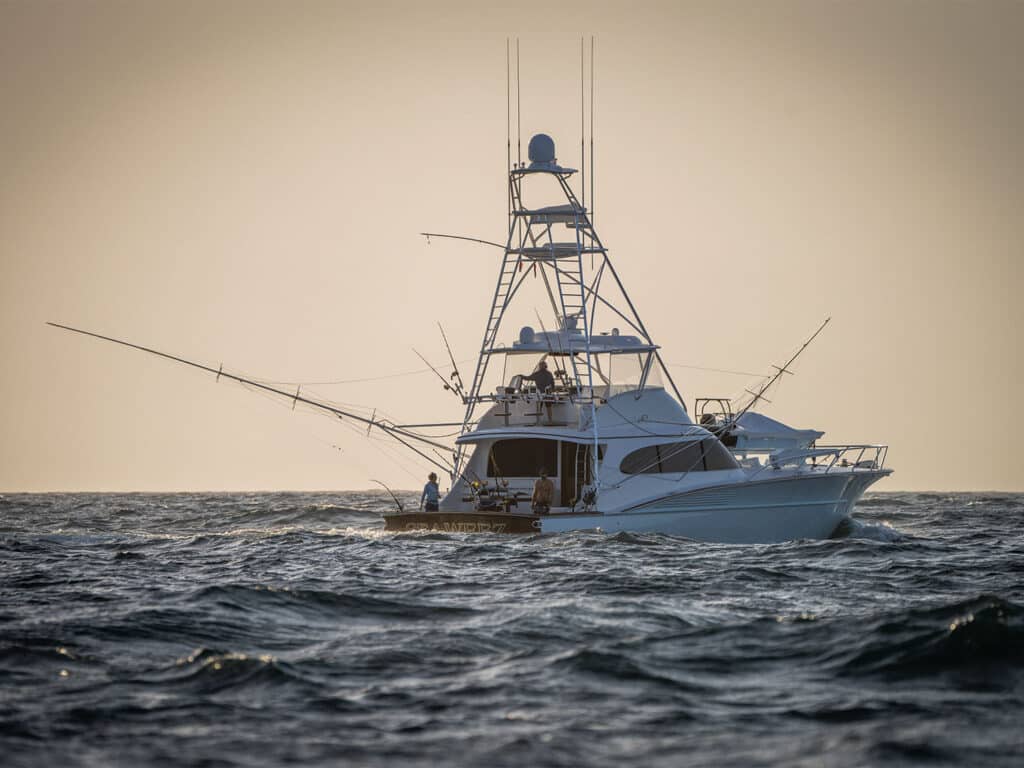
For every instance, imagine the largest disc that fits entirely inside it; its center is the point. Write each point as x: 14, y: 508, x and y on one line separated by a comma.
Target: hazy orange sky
x: 243, y: 182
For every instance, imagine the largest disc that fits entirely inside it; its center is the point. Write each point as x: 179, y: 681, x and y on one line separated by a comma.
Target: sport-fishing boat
x: 607, y: 426
x: 611, y: 428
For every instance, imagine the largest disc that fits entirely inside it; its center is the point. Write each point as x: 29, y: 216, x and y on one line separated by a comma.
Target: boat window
x: 628, y: 369
x: 717, y: 456
x: 667, y: 458
x: 522, y: 458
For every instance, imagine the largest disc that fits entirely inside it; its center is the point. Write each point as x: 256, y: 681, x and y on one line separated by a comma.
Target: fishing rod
x: 445, y: 382
x: 478, y: 487
x: 779, y: 371
x: 456, y: 376
x: 392, y: 493
x: 295, y: 397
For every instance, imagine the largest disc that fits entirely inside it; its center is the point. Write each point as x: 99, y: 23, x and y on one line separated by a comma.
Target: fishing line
x: 718, y: 370
x: 362, y: 465
x: 366, y: 379
x: 395, y: 460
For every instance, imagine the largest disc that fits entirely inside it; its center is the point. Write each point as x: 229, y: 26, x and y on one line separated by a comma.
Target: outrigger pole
x: 429, y: 235
x: 392, y: 431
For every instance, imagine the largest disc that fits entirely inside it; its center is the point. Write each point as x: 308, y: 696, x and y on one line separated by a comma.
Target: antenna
x: 508, y: 106
x: 591, y: 130
x: 583, y: 132
x: 519, y: 108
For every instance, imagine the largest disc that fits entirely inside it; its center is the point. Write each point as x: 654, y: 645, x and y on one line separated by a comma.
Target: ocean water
x: 279, y: 629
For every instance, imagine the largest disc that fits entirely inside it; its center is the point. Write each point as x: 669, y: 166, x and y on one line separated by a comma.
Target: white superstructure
x: 612, y: 432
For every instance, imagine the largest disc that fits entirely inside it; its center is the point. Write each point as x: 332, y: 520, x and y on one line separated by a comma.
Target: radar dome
x: 542, y: 150
x: 526, y: 335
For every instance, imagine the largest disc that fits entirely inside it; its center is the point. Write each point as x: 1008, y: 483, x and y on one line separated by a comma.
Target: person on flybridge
x: 431, y: 495
x: 543, y: 493
x: 545, y: 383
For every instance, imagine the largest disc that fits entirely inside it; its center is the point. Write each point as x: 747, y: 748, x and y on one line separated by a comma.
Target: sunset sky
x: 244, y: 183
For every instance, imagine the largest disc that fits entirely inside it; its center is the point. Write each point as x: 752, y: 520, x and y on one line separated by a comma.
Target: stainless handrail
x: 838, y: 455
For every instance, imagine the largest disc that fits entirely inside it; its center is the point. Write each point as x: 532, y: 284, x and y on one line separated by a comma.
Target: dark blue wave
x: 982, y: 632
x: 276, y: 629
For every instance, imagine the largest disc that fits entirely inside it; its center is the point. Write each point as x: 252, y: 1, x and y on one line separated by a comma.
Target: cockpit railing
x: 826, y: 458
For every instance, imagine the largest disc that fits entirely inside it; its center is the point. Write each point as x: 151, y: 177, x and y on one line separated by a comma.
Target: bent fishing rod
x: 392, y: 493
x: 296, y: 397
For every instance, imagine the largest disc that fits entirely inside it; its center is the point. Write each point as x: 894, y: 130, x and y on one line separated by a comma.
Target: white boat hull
x: 798, y: 506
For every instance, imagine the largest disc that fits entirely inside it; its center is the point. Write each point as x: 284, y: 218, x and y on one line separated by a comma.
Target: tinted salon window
x: 522, y: 458
x: 668, y: 458
x: 717, y: 456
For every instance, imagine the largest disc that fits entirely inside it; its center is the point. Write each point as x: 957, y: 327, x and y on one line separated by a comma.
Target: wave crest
x: 984, y: 631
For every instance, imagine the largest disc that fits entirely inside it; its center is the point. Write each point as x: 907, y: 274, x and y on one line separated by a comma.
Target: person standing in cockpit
x: 431, y: 495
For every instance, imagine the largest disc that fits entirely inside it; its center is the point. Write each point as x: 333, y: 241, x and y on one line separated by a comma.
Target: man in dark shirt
x: 542, y: 378
x: 545, y: 383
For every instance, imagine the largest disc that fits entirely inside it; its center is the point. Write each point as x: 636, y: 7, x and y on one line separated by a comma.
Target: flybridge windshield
x: 613, y: 373
x: 633, y: 371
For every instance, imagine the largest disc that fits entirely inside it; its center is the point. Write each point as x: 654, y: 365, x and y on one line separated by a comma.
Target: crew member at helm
x: 545, y: 383
x: 541, y: 377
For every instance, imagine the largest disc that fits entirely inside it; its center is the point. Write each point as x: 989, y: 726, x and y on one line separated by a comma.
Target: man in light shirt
x: 543, y: 493
x: 431, y: 495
